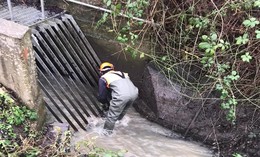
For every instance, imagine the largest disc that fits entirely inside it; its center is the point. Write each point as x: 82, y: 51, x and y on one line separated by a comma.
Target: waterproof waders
x: 123, y: 93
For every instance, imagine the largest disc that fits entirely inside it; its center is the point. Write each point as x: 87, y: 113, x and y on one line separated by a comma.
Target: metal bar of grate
x: 72, y: 63
x: 84, y: 39
x: 18, y: 12
x: 85, y: 56
x: 69, y: 68
x: 59, y: 97
x: 40, y: 40
x: 51, y: 110
x: 56, y: 60
x: 49, y: 96
x: 80, y: 54
x: 60, y: 86
x: 67, y: 55
x: 56, y: 71
x: 42, y: 9
x: 75, y: 57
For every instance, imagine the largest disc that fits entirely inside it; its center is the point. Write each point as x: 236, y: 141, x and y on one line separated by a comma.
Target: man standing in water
x: 115, y: 88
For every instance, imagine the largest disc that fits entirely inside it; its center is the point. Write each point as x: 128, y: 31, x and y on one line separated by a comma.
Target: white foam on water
x: 124, y: 122
x: 141, y: 138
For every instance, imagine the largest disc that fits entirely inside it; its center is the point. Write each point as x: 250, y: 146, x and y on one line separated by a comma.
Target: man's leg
x: 109, y: 127
x: 115, y: 109
x: 128, y: 104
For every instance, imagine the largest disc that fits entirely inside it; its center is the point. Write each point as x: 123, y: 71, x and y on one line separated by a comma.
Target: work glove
x: 105, y: 107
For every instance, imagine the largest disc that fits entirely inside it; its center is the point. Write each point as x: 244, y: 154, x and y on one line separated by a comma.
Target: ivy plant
x: 199, y: 22
x: 246, y: 57
x: 242, y: 39
x: 257, y: 3
x: 210, y: 44
x: 257, y: 34
x: 229, y: 102
x: 236, y: 155
x: 251, y: 22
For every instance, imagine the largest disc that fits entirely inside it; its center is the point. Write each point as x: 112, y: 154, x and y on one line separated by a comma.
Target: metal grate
x: 68, y: 71
x: 67, y: 64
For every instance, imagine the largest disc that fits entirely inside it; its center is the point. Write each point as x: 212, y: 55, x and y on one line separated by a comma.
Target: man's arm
x: 102, y: 91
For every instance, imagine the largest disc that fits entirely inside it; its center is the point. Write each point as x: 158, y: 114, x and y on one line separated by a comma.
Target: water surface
x: 141, y: 138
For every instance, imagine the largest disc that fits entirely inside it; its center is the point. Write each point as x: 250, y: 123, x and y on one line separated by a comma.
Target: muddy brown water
x: 141, y: 138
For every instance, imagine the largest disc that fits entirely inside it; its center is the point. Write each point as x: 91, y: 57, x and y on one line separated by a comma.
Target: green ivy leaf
x: 119, y: 38
x: 119, y: 6
x: 108, y: 155
x: 142, y: 55
x: 204, y: 37
x: 214, y: 36
x: 5, y: 142
x: 246, y: 57
x: 257, y: 34
x: 204, y: 45
x: 233, y: 76
x: 246, y: 23
x: 140, y: 23
x: 251, y: 22
x: 225, y: 106
x: 134, y: 54
x: 222, y: 67
x: 232, y: 101
x: 242, y: 39
x: 219, y: 87
x: 257, y: 3
x: 108, y: 2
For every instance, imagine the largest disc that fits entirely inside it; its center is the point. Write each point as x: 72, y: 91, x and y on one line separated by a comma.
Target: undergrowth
x: 19, y: 138
x: 211, y: 48
x: 15, y: 127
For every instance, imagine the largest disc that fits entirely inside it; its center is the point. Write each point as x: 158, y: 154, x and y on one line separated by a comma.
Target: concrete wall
x: 17, y: 65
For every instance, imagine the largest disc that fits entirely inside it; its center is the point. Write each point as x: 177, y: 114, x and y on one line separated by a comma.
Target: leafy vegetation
x: 209, y: 47
x: 12, y: 117
x: 17, y: 138
x: 187, y: 35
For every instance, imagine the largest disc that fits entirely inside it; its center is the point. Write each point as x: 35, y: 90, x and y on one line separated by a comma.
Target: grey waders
x: 124, y: 93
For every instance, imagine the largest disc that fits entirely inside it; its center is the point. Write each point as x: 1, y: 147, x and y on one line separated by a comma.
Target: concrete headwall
x: 17, y: 64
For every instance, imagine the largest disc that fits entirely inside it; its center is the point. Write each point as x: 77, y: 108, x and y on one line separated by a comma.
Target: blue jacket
x: 104, y: 94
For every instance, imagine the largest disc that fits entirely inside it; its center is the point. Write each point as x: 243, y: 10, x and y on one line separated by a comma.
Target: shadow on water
x: 141, y: 138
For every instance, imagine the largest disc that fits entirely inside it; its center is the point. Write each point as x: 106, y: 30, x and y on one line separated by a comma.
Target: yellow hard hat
x: 106, y: 66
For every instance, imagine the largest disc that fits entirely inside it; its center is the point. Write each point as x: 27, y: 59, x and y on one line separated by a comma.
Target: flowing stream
x: 141, y: 138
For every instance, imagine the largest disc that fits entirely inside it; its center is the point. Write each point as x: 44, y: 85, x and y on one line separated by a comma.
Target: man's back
x: 120, y: 84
